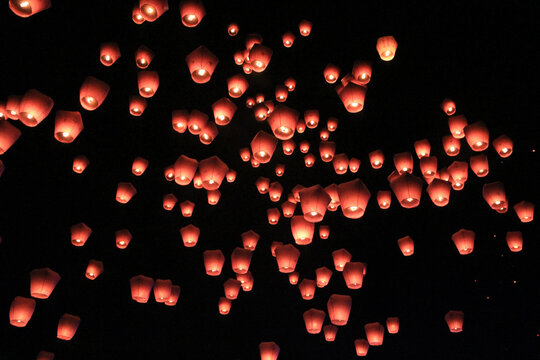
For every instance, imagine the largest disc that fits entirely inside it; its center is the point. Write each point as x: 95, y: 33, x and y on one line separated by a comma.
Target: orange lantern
x: 495, y: 196
x: 12, y: 107
x: 143, y: 57
x: 269, y: 350
x: 457, y: 124
x: 274, y: 191
x: 384, y: 199
x: 173, y: 297
x: 454, y: 320
x: 137, y: 105
x: 422, y: 148
x: 327, y: 150
x: 353, y: 274
x: 45, y: 355
x: 273, y: 247
x: 464, y: 241
x: 139, y: 166
x: 361, y: 346
x: 376, y: 159
x: 324, y: 135
x: 246, y: 280
x: 330, y: 332
x: 314, y: 320
x: 263, y: 146
x: 403, y: 162
x: 458, y: 171
x: 354, y: 197
x: 148, y: 82
x: 361, y: 72
x: 212, y: 171
x: 288, y: 39
x: 224, y: 305
x: 290, y: 83
x: 374, y: 333
x: 94, y: 269
x: 314, y: 201
x: 21, y: 311
x: 233, y: 29
x: 386, y: 47
x: 123, y: 238
x: 213, y: 196
x: 232, y: 288
x: 281, y: 93
x: 406, y: 245
x: 332, y: 124
x: 451, y: 145
x: 180, y: 119
x: 260, y: 111
x: 237, y: 85
x: 262, y: 184
x: 288, y: 147
x: 169, y: 200
x: 341, y: 257
x: 141, y: 286
x: 124, y: 192
x: 477, y: 136
x: 190, y: 235
x: 293, y: 278
x: 525, y: 211
x: 392, y: 325
x: 300, y: 126
x: 479, y: 165
x: 340, y: 163
x: 79, y: 234
x: 245, y: 154
x: 428, y: 167
x: 201, y: 63
x: 186, y: 207
x: 408, y: 190
x: 42, y: 282
x: 153, y: 9
x: 514, y: 240
x: 307, y: 289
x: 240, y: 260
x: 239, y: 60
x: 331, y: 73
x: 67, y: 326
x: 354, y: 165
x: 109, y: 53
x: 288, y: 208
x: 136, y: 15
x: 339, y: 308
x: 302, y: 230
x: 353, y: 96
x: 247, y: 68
x: 280, y: 169
x: 34, y: 107
x: 230, y: 175
x: 184, y: 170
x: 92, y: 93
x: 192, y: 12
x: 503, y: 145
x: 273, y: 215
x: 27, y: 8
x: 449, y: 107
x: 304, y: 146
x: 324, y: 232
x: 213, y: 262
x: 259, y: 57
x: 439, y: 192
x: 283, y: 121
x: 286, y: 257
x: 250, y: 239
x: 323, y: 275
x: 9, y: 134
x: 305, y: 27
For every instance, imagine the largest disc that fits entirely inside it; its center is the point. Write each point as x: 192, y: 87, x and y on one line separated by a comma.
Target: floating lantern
x: 280, y: 169
x: 290, y: 83
x: 286, y: 257
x: 331, y: 124
x: 246, y: 281
x: 353, y: 96
x: 374, y: 333
x: 42, y: 282
x: 281, y: 93
x: 339, y: 308
x: 212, y: 171
x: 274, y: 191
x: 314, y: 320
x: 525, y: 211
x: 406, y: 245
x: 259, y: 57
x: 454, y: 320
x: 330, y: 332
x: 354, y: 197
x: 293, y: 278
x: 109, y: 53
x: 190, y: 235
x: 169, y: 173
x: 151, y: 10
x: 392, y: 325
x: 341, y: 257
x: 384, y: 199
x: 237, y: 85
x: 376, y: 159
x: 458, y: 171
x: 314, y: 201
x: 288, y: 208
x: 231, y: 288
x: 34, y: 107
x: 327, y: 150
x: 354, y: 165
x: 173, y: 297
x: 495, y: 196
x: 408, y: 190
x: 269, y: 350
x: 263, y: 146
x: 12, y: 107
x: 386, y: 47
x: 27, y: 8
x: 143, y: 57
x: 192, y: 12
x: 233, y: 29
x: 124, y: 192
x: 477, y: 136
x: 67, y: 326
x: 141, y: 286
x: 514, y: 240
x: 136, y: 15
x: 148, y: 83
x: 201, y: 63
x: 137, y: 105
x: 504, y: 146
x: 92, y: 93
x: 361, y: 346
x: 9, y: 134
x: 324, y: 232
x: 305, y: 27
x: 123, y: 238
x: 169, y: 200
x: 139, y: 166
x: 213, y: 196
x: 464, y: 241
x: 439, y: 192
x: 79, y: 234
x: 331, y: 73
x: 240, y: 260
x: 184, y: 170
x: 422, y: 148
x: 288, y: 39
x: 250, y: 239
x: 428, y: 167
x: 353, y: 274
x: 448, y: 106
x: 283, y: 121
x: 21, y: 311
x: 302, y: 230
x: 457, y: 124
x: 224, y: 305
x: 361, y: 72
x: 340, y: 163
x: 307, y: 289
x: 273, y: 215
x: 213, y: 262
x: 94, y: 269
x: 403, y: 162
x: 323, y: 275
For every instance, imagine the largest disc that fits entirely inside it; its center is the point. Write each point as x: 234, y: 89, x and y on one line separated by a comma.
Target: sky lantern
x: 296, y: 192
x: 109, y: 53
x: 457, y: 124
x: 42, y: 282
x: 406, y: 245
x: 250, y: 239
x: 190, y: 235
x: 143, y: 57
x: 141, y: 286
x: 293, y: 278
x: 288, y: 208
x: 281, y: 93
x: 384, y: 199
x: 428, y: 167
x: 233, y: 29
x: 260, y: 111
x: 454, y: 320
x: 283, y: 121
x: 212, y: 172
x: 136, y: 15
x: 139, y: 166
x: 92, y: 93
x: 288, y: 39
x: 339, y: 308
x: 239, y: 59
x: 263, y: 146
x: 213, y: 196
x: 197, y: 181
x: 246, y: 67
x: 314, y: 320
x: 408, y: 190
x: 324, y: 231
x: 148, y: 83
x: 9, y: 134
x: 237, y: 85
x: 290, y: 83
x: 230, y: 176
x: 525, y: 211
x: 341, y: 257
x: 302, y: 230
x: 353, y: 274
x: 286, y: 257
x: 376, y: 159
x: 330, y: 332
x: 504, y: 146
x: 324, y: 135
x: 259, y: 57
x: 495, y: 196
x: 300, y: 126
x: 273, y: 215
x: 34, y: 107
x: 240, y: 260
x: 288, y: 147
x: 374, y: 333
x: 448, y: 106
x: 354, y: 165
x: 386, y: 47
x: 137, y: 105
x: 173, y: 297
x: 224, y: 305
x: 354, y: 197
x: 361, y: 346
x: 280, y: 169
x: 353, y: 96
x: 94, y: 269
x: 477, y: 136
x: 27, y: 8
x: 153, y: 9
x: 269, y: 350
x: 323, y: 275
x: 184, y: 170
x: 12, y: 106
x: 422, y: 148
x: 213, y: 262
x: 246, y: 281
x: 186, y: 207
x: 514, y: 240
x: 274, y: 191
x: 314, y: 201
x: 392, y: 325
x: 201, y: 63
x: 252, y: 39
x: 273, y: 247
x: 21, y: 311
x: 459, y: 172
x: 332, y: 124
x: 245, y: 154
x: 79, y: 234
x: 162, y: 290
x: 124, y: 192
x: 45, y: 355
x: 479, y: 165
x: 311, y: 117
x: 122, y: 238
x: 305, y: 27
x: 67, y: 326
x: 331, y: 73
x: 464, y: 241
x: 192, y: 12
x: 439, y: 192
x: 304, y: 146
x: 361, y: 72
x: 169, y: 200
x: 263, y: 184
x: 307, y: 289
x: 340, y: 163
x: 403, y: 162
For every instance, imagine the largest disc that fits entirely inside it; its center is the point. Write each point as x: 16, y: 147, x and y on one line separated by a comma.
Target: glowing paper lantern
x: 186, y: 207
x: 288, y: 147
x: 392, y: 325
x: 274, y: 191
x: 525, y: 211
x: 353, y: 96
x: 408, y: 190
x: 340, y: 163
x: 361, y: 72
x: 458, y: 171
x: 269, y: 350
x: 208, y: 133
x: 21, y: 311
x: 12, y: 107
x: 454, y: 320
x: 305, y: 27
x: 384, y: 199
x: 324, y: 231
x: 354, y: 165
x: 457, y: 124
x: 250, y: 239
x: 324, y: 135
x: 386, y: 47
x: 224, y: 305
x: 137, y: 105
x: 213, y: 262
x: 237, y: 85
x: 514, y: 240
x: 376, y: 159
x: 173, y: 297
x: 162, y: 290
x: 353, y: 274
x: 262, y: 184
x: 79, y: 234
x: 330, y: 332
x: 42, y: 282
x: 263, y: 146
x: 148, y: 82
x: 374, y: 333
x: 136, y: 15
x: 233, y: 29
x: 280, y: 169
x: 246, y: 280
x: 213, y: 196
x: 94, y: 269
x: 288, y: 39
x: 230, y: 176
x: 190, y: 235
x: 153, y: 9
x: 327, y: 150
x: 314, y: 201
x: 451, y: 145
x: 300, y: 126
x: 361, y: 346
x: 314, y: 320
x: 464, y: 241
x: 288, y: 209
x: 448, y: 106
x: 139, y: 166
x: 92, y: 93
x: 27, y: 8
x: 495, y: 196
x: 323, y: 275
x: 503, y: 145
x: 212, y: 171
x: 34, y: 107
x: 67, y: 326
x: 302, y: 230
x: 354, y: 197
x: 45, y: 355
x: 192, y: 12
x: 403, y: 162
x: 422, y: 148
x: 259, y: 57
x: 439, y: 192
x: 339, y: 308
x: 477, y: 136
x: 141, y: 286
x: 240, y: 260
x: 293, y: 278
x: 281, y: 93
x: 143, y: 57
x: 341, y: 257
x: 123, y: 238
x: 201, y: 63
x: 273, y: 215
x: 286, y: 257
x: 331, y: 73
x: 406, y: 245
x: 307, y: 289
x: 109, y: 53
x: 124, y: 192
x: 184, y: 170
x: 283, y: 121
x: 9, y: 134
x: 428, y: 167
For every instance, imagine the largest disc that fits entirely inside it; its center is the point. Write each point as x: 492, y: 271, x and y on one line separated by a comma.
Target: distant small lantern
x: 45, y: 355
x: 141, y: 287
x: 34, y: 107
x: 230, y: 176
x: 290, y: 83
x: 259, y: 57
x: 331, y: 73
x: 12, y: 106
x: 403, y: 162
x: 262, y: 184
x: 240, y: 260
x: 341, y: 257
x: 504, y: 146
x: 302, y: 230
x: 233, y: 29
x: 428, y: 167
x: 79, y: 234
x: 80, y: 163
x: 151, y: 10
x: 67, y: 126
x: 263, y: 146
x: 137, y: 105
x: 439, y: 192
x: 280, y: 169
x: 300, y: 126
x: 464, y: 241
x: 169, y: 200
x: 324, y: 135
x: 352, y: 96
x: 339, y: 308
x: 448, y: 106
x: 314, y: 201
x: 109, y: 53
x: 239, y: 59
x: 386, y: 47
x: 384, y: 199
x: 525, y: 211
x: 361, y: 346
x: 324, y: 232
x: 459, y: 174
x: 92, y: 93
x: 250, y: 239
x: 94, y: 269
x: 293, y: 278
x: 406, y: 245
x: 288, y: 147
x: 451, y: 145
x: 353, y: 274
x: 330, y: 332
x: 332, y: 124
x: 192, y: 12
x: 9, y: 134
x: 361, y: 72
x: 67, y: 326
x: 237, y: 85
x: 42, y: 282
x: 392, y: 325
x: 224, y: 305
x: 354, y: 165
x: 139, y: 166
x: 477, y: 136
x: 422, y: 148
x: 314, y: 320
x: 201, y: 63
x: 269, y: 350
x: 190, y: 235
x: 287, y: 257
x: 274, y: 191
x: 288, y: 39
x: 327, y: 150
x: 273, y: 215
x: 187, y: 207
x: 27, y: 8
x: 340, y: 163
x: 454, y: 320
x: 213, y: 196
x: 21, y: 311
x: 376, y: 159
x: 457, y: 124
x: 245, y: 154
x: 479, y: 165
x: 260, y: 111
x: 143, y: 57
x: 136, y: 15
x: 305, y: 27
x: 495, y: 195
x: 408, y: 190
x: 307, y: 289
x: 173, y: 297
x: 374, y: 333
x: 231, y: 288
x: 148, y: 82
x: 288, y: 209
x: 514, y: 240
x: 354, y: 197
x: 124, y: 192
x: 123, y: 238
x: 323, y: 276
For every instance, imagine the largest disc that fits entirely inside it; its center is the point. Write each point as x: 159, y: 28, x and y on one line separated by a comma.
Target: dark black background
x: 483, y: 57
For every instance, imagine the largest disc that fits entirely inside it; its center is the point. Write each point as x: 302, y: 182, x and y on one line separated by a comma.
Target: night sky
x: 483, y: 58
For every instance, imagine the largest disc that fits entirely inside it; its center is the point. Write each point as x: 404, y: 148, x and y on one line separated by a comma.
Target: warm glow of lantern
x: 448, y: 106
x: 94, y: 269
x: 323, y: 275
x: 190, y: 235
x: 123, y: 238
x: 274, y: 191
x: 213, y: 262
x: 302, y: 230
x: 525, y: 211
x: 314, y: 320
x: 353, y: 95
x: 269, y: 350
x: 353, y: 274
x: 288, y: 39
x: 201, y: 63
x: 305, y: 27
x: 354, y: 197
x: 192, y: 12
x: 286, y: 257
x: 67, y: 326
x: 34, y: 107
x: 341, y: 257
x: 124, y: 192
x: 384, y: 199
x: 514, y: 240
x: 504, y: 146
x: 21, y: 311
x: 339, y: 308
x: 386, y: 47
x: 42, y: 282
x: 263, y: 146
x: 374, y: 333
x: 330, y: 332
x: 361, y: 346
x: 79, y: 234
x: 324, y: 232
x: 464, y: 241
x: 109, y: 53
x: 233, y: 29
x: 307, y: 289
x: 454, y: 320
x: 408, y: 190
x: 406, y: 245
x: 92, y: 93
x: 331, y: 73
x: 237, y: 85
x: 376, y: 159
x: 495, y: 195
x: 392, y: 325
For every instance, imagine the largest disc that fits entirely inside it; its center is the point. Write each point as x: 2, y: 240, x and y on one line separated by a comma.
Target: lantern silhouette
x: 67, y: 326
x: 143, y: 57
x: 314, y: 201
x: 162, y: 290
x: 136, y: 15
x: 233, y: 29
x: 148, y: 82
x: 439, y: 192
x: 376, y: 159
x: 454, y: 320
x: 457, y: 124
x: 352, y: 96
x: 392, y: 325
x: 259, y: 57
x: 27, y: 8
x: 403, y: 162
x: 212, y: 171
x: 21, y: 311
x: 514, y: 240
x: 339, y: 308
x: 141, y: 287
x: 274, y: 191
x: 361, y: 346
x: 495, y: 196
x: 213, y: 262
x: 525, y: 211
x: 354, y: 165
x: 354, y: 197
x: 124, y: 192
x: 327, y: 150
x: 324, y: 231
x: 341, y: 257
x: 42, y: 282
x: 45, y: 355
x: 330, y: 332
x: 448, y: 106
x: 173, y: 297
x: 408, y: 190
x: 477, y: 136
x: 137, y: 105
x: 263, y: 146
x: 240, y: 260
x: 92, y: 93
x: 307, y: 289
x: 79, y: 234
x: 139, y: 166
x: 213, y: 196
x: 340, y: 163
x: 250, y: 239
x: 302, y: 230
x: 406, y: 245
x: 386, y: 47
x: 190, y: 235
x: 323, y: 275
x: 374, y: 333
x: 184, y: 170
x: 201, y: 63
x: 273, y: 215
x: 314, y: 320
x: 269, y: 350
x: 237, y: 85
x: 451, y: 145
x: 331, y: 73
x: 283, y: 121
x: 34, y: 107
x: 109, y: 53
x: 293, y: 278
x: 224, y: 305
x: 288, y: 39
x: 353, y: 274
x: 384, y: 199
x: 94, y: 269
x: 9, y: 134
x: 192, y: 12
x: 123, y: 238
x: 286, y: 257
x: 422, y: 148
x: 153, y: 9
x: 503, y: 145
x: 464, y: 241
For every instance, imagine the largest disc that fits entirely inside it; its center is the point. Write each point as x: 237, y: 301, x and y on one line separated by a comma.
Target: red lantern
x: 92, y: 93
x: 42, y: 282
x: 451, y: 145
x: 288, y: 39
x: 477, y: 136
x: 201, y: 63
x: 340, y: 163
x: 212, y: 171
x: 422, y: 148
x: 288, y: 147
x: 231, y: 288
x: 281, y: 93
x: 137, y: 105
x: 302, y: 230
x: 21, y: 311
x: 67, y: 326
x: 286, y: 257
x: 331, y: 73
x: 143, y: 57
x: 123, y: 238
x: 186, y: 208
x: 45, y: 355
x: 34, y: 107
x: 361, y: 346
x: 169, y: 200
x: 448, y: 106
x: 12, y: 107
x: 341, y: 257
x: 213, y: 262
x: 392, y: 325
x: 233, y: 29
x: 307, y: 289
x: 406, y: 245
x: 300, y: 126
x: 274, y: 191
x: 184, y: 170
x: 457, y: 124
x: 139, y: 166
x: 141, y: 286
x: 124, y: 192
x: 136, y: 15
x: 386, y: 47
x: 230, y: 176
x: 408, y: 190
x: 525, y: 211
x: 323, y: 275
x: 361, y: 72
x: 454, y: 320
x: 8, y: 135
x: 27, y: 8
x: 428, y: 167
x: 259, y: 57
x: 153, y: 9
x: 339, y: 308
x: 263, y: 146
x: 503, y: 145
x: 245, y: 154
x: 293, y: 278
x: 324, y: 232
x: 376, y: 158
x: 403, y: 162
x: 384, y: 199
x: 180, y: 119
x: 495, y: 196
x: 224, y: 305
x: 262, y: 184
x: 250, y: 239
x: 514, y: 239
x: 458, y: 171
x: 237, y: 85
x: 314, y: 201
x: 354, y: 197
x: 314, y: 320
x: 354, y: 165
x: 305, y: 27
x: 213, y: 196
x: 330, y: 332
x: 94, y: 269
x: 353, y: 96
x: 439, y: 192
x: 280, y: 169
x: 269, y: 350
x: 288, y: 209
x: 353, y: 274
x: 332, y: 124
x: 374, y: 333
x: 173, y: 297
x: 192, y: 12
x: 148, y: 83
x: 464, y: 241
x: 324, y: 135
x: 327, y: 150
x: 79, y: 234
x: 246, y: 280
x: 109, y: 53
x: 240, y: 260
x: 283, y: 122
x: 190, y: 235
